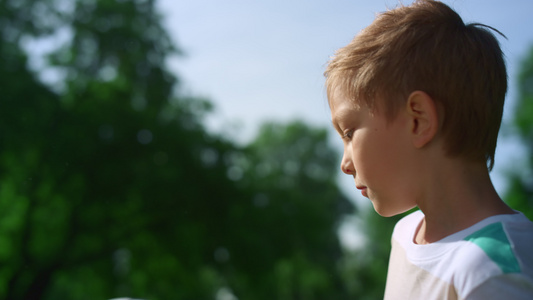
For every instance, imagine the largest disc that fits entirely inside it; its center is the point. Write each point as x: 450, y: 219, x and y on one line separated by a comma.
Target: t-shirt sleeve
x: 506, y: 286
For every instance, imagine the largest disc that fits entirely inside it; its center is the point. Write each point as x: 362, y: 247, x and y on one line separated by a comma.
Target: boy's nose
x: 347, y: 166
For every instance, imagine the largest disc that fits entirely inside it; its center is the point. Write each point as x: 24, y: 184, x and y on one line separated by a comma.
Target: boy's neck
x: 455, y: 197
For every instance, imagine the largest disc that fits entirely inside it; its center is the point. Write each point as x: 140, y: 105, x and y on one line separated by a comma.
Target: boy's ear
x: 424, y: 118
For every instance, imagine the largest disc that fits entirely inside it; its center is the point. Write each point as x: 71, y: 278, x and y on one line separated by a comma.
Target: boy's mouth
x: 362, y: 188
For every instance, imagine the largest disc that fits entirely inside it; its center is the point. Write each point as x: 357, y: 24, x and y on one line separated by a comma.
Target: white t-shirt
x: 492, y: 259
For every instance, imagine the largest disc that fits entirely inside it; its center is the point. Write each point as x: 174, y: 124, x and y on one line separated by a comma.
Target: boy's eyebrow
x: 336, y: 126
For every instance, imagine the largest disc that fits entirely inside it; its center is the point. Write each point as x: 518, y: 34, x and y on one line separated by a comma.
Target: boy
x: 417, y: 98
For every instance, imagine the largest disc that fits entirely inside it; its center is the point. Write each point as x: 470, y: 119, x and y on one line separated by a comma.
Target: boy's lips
x: 362, y: 188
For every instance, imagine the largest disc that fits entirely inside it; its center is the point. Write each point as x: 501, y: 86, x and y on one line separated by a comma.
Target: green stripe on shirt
x: 493, y: 241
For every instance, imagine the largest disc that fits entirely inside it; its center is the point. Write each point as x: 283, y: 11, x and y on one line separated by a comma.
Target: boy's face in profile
x: 377, y: 153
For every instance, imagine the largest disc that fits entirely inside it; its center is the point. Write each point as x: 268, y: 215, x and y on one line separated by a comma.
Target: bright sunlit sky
x: 264, y: 60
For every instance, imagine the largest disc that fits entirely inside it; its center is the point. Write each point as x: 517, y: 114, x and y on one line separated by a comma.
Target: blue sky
x: 264, y: 60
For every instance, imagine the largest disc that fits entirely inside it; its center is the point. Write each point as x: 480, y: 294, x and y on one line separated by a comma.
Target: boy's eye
x: 347, y: 135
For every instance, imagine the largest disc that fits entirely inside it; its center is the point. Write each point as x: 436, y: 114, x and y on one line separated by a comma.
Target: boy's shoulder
x: 493, y: 251
x: 499, y: 244
x: 504, y: 240
x: 510, y: 231
x: 496, y: 254
x: 516, y: 225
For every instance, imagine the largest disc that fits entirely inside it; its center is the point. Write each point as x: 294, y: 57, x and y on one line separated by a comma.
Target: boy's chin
x: 385, y: 211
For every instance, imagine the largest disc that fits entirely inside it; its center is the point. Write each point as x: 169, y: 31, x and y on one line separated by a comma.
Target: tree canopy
x: 520, y: 192
x: 112, y: 187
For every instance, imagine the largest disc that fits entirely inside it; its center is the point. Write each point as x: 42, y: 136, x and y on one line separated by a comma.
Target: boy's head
x: 427, y: 47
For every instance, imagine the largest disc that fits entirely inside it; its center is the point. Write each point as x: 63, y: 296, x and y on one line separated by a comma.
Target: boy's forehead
x: 342, y: 108
x: 338, y: 96
x: 340, y: 104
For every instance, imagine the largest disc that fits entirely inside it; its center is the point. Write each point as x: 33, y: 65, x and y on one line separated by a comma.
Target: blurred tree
x: 27, y: 109
x: 365, y: 269
x: 292, y: 219
x: 520, y: 192
x: 111, y: 186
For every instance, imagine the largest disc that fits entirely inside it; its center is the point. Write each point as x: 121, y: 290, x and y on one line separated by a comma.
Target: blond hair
x: 426, y: 46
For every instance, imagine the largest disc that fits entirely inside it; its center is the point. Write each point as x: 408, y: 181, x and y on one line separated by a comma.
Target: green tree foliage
x: 520, y: 193
x: 112, y: 187
x: 365, y: 269
x: 290, y: 170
